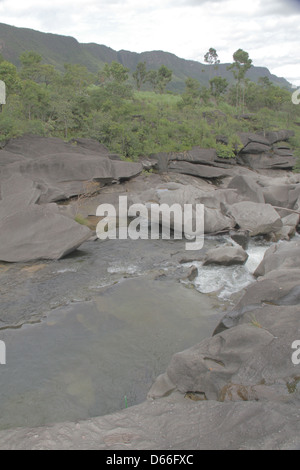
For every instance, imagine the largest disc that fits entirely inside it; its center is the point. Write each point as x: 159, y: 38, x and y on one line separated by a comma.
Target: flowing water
x: 91, y: 332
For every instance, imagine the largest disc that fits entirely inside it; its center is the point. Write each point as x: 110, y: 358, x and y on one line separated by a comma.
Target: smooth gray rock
x: 63, y: 169
x: 171, y: 423
x: 266, y: 161
x: 279, y: 287
x: 284, y: 195
x: 201, y: 171
x: 242, y: 238
x: 259, y: 219
x: 39, y: 232
x: 212, y: 364
x: 277, y: 136
x: 282, y: 255
x: 247, y: 137
x: 288, y: 230
x: 255, y: 148
x: 226, y: 256
x: 196, y: 155
x: 248, y: 188
x: 215, y: 221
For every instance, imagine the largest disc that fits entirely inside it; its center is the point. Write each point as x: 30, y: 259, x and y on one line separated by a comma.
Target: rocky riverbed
x: 234, y: 384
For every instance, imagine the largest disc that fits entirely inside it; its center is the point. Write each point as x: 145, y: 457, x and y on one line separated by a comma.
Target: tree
x: 160, y: 78
x: 140, y: 75
x: 78, y: 77
x: 218, y: 86
x: 239, y: 68
x: 152, y: 78
x: 212, y: 58
x: 31, y: 65
x: 164, y: 77
x: 35, y: 99
x: 191, y: 95
x: 9, y: 75
x: 114, y: 72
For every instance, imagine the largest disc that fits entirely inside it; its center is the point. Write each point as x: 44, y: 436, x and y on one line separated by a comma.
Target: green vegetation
x: 133, y: 114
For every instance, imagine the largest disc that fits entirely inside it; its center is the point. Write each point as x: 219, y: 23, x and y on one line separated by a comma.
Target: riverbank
x: 238, y: 387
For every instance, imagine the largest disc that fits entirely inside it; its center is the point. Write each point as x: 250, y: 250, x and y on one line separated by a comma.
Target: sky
x: 269, y: 30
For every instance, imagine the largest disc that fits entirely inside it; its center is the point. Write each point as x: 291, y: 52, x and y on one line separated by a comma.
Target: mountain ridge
x: 58, y: 49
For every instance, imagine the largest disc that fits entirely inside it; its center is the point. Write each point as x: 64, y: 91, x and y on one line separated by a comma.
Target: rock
x: 161, y: 161
x: 242, y: 238
x: 213, y: 363
x: 162, y: 387
x: 171, y: 423
x: 283, y: 256
x: 283, y: 152
x: 201, y: 171
x: 215, y: 221
x: 18, y: 191
x: 284, y: 195
x: 38, y: 232
x: 196, y: 155
x: 277, y: 287
x: 259, y: 219
x: 278, y: 136
x: 218, y: 198
x: 288, y: 230
x: 62, y: 169
x: 255, y: 148
x: 6, y: 158
x: 248, y: 137
x: 266, y: 162
x: 248, y: 188
x: 193, y: 273
x: 226, y: 256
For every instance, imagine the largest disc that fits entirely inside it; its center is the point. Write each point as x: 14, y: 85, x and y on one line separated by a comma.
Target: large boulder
x: 259, y: 219
x: 196, y: 155
x: 215, y: 221
x: 34, y: 232
x: 201, y: 171
x: 212, y: 364
x: 256, y: 148
x: 63, y: 169
x: 249, y: 137
x: 266, y: 161
x: 226, y: 256
x: 276, y: 288
x: 282, y: 195
x: 282, y: 255
x: 278, y: 136
x: 247, y: 187
x: 289, y: 227
x: 28, y: 231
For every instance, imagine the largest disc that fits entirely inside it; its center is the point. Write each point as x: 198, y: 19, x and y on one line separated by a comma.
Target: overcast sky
x: 269, y: 30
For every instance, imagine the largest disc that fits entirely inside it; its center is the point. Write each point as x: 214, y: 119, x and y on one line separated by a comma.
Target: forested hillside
x: 134, y: 114
x: 58, y: 50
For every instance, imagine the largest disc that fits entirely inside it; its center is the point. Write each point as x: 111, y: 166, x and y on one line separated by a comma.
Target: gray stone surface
x: 38, y: 232
x: 173, y: 423
x: 258, y: 218
x: 63, y: 169
x: 267, y: 162
x: 226, y: 256
x: 202, y: 171
x: 248, y: 188
x: 284, y: 256
x: 284, y: 195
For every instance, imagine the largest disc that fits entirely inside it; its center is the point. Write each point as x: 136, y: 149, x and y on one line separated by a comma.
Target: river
x: 88, y: 335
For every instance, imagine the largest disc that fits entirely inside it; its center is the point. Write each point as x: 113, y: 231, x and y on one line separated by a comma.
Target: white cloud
x: 267, y: 29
